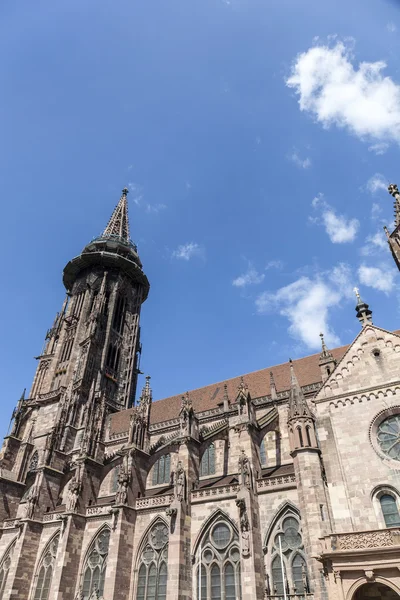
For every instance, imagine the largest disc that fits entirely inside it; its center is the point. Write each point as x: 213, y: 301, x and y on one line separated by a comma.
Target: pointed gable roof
x: 371, y: 359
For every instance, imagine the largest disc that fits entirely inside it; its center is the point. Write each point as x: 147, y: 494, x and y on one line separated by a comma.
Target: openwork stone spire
x: 118, y: 225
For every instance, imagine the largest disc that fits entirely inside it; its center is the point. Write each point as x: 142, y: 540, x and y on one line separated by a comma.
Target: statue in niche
x: 74, y: 489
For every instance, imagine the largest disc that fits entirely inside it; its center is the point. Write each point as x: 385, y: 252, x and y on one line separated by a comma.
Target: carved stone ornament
x: 170, y: 512
x: 121, y: 496
x: 359, y: 541
x: 369, y: 575
x: 179, y: 479
x: 244, y: 526
x: 244, y: 471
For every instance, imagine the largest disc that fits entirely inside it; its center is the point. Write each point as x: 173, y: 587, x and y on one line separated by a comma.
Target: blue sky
x: 256, y: 143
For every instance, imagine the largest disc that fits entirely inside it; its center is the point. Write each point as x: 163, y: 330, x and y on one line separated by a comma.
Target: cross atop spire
x: 364, y: 314
x: 118, y: 225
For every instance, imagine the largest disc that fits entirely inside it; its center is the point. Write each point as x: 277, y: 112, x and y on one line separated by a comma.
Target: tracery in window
x: 390, y: 510
x: 207, y: 465
x: 288, y: 567
x: 162, y: 470
x: 218, y: 563
x: 388, y: 436
x: 45, y: 571
x: 94, y: 571
x: 153, y: 560
x: 5, y: 567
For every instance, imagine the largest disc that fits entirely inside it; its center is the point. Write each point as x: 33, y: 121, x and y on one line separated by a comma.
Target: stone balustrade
x: 276, y: 482
x: 361, y: 540
x: 153, y: 502
x: 222, y: 491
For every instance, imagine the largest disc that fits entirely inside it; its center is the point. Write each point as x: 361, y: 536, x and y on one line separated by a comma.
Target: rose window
x: 388, y: 436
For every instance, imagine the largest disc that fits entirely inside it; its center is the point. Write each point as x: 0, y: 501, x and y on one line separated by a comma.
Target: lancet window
x: 207, y: 465
x: 119, y: 314
x: 389, y: 510
x: 153, y: 561
x: 5, y: 567
x: 218, y: 563
x: 162, y: 470
x: 263, y: 453
x: 45, y: 571
x: 288, y: 568
x: 94, y: 571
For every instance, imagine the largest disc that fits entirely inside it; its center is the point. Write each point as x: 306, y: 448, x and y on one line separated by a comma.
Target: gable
x: 372, y: 360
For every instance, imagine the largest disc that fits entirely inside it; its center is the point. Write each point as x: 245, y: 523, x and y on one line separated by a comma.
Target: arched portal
x: 375, y: 591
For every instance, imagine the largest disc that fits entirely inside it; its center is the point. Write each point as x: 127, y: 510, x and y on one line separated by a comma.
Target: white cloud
x: 155, y: 208
x: 391, y: 27
x: 335, y: 92
x: 274, y: 264
x: 379, y: 148
x: 303, y: 163
x: 380, y: 278
x: 187, y: 251
x: 339, y: 228
x: 136, y: 191
x: 376, y: 182
x: 375, y: 243
x: 307, y: 304
x: 251, y: 277
x: 376, y: 210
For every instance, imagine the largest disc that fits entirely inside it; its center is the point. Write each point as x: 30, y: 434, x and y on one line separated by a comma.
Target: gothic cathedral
x: 280, y: 484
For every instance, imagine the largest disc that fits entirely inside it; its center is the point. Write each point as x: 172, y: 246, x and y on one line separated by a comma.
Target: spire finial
x: 118, y: 225
x: 272, y: 386
x: 324, y: 348
x: 364, y: 314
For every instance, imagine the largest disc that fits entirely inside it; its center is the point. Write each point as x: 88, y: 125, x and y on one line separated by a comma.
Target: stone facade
x: 284, y: 483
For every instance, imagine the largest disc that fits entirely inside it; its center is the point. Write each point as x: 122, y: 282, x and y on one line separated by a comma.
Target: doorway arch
x: 375, y: 591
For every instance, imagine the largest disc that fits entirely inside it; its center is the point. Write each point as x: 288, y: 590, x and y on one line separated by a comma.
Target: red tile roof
x: 307, y: 370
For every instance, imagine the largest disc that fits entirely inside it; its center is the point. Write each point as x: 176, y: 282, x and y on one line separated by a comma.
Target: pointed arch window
x: 263, y: 453
x: 218, y: 563
x: 153, y: 560
x: 288, y: 566
x: 45, y: 571
x: 389, y: 510
x: 5, y: 567
x: 207, y: 465
x: 94, y: 571
x: 162, y: 470
x: 34, y: 461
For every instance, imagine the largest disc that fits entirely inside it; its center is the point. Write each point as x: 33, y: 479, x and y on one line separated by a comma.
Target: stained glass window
x: 45, y: 571
x: 94, y: 572
x: 153, y: 571
x: 390, y: 510
x: 288, y: 565
x: 263, y: 454
x: 162, y: 470
x: 207, y: 465
x: 219, y: 562
x: 389, y: 437
x: 5, y: 567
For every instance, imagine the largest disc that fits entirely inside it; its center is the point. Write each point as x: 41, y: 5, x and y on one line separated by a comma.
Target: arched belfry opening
x: 375, y: 591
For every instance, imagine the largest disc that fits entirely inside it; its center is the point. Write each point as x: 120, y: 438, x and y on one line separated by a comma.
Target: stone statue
x: 245, y: 471
x: 244, y: 526
x: 74, y: 489
x: 122, y: 491
x: 31, y: 500
x: 179, y: 483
